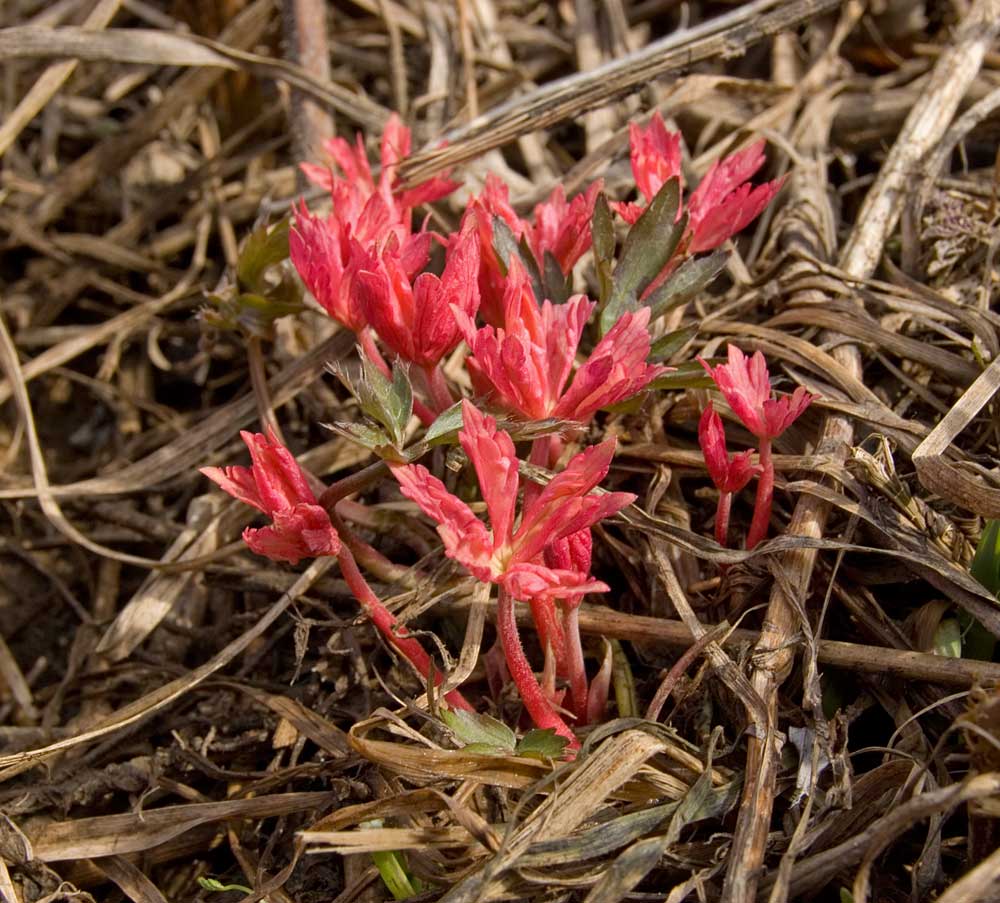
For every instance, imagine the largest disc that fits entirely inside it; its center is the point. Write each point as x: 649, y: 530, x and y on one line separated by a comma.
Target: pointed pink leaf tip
x: 615, y: 371
x: 355, y: 171
x: 746, y: 385
x: 276, y: 485
x: 655, y: 155
x: 562, y: 228
x: 725, y: 203
x: 730, y: 473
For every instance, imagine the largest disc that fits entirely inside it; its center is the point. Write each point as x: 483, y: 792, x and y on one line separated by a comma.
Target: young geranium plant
x: 546, y: 358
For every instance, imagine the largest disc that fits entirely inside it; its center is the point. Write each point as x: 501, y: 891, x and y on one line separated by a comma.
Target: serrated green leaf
x: 668, y: 345
x: 650, y: 243
x: 688, y: 280
x: 266, y: 246
x: 986, y: 563
x: 472, y: 728
x: 389, y: 403
x: 370, y: 437
x: 445, y: 426
x: 541, y: 744
x: 948, y: 638
x: 401, y: 409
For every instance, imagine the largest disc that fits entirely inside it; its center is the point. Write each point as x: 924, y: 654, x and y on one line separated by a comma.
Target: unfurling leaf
x: 479, y: 733
x: 388, y: 402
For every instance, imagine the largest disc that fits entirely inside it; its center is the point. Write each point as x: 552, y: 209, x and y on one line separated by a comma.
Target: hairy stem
x: 384, y: 619
x: 535, y: 701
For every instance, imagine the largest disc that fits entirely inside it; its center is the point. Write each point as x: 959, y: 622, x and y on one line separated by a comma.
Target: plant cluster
x: 502, y: 284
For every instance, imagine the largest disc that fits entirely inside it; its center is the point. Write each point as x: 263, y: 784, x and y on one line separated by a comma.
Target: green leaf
x: 506, y: 245
x: 266, y: 247
x: 473, y: 729
x: 388, y: 402
x: 671, y: 343
x: 556, y: 284
x: 367, y: 436
x: 444, y: 428
x: 650, y: 243
x: 689, y: 375
x: 602, y: 229
x: 532, y: 269
x: 541, y: 744
x: 504, y: 242
x: 846, y: 896
x: 986, y: 563
x: 392, y: 869
x: 948, y: 638
x: 690, y: 278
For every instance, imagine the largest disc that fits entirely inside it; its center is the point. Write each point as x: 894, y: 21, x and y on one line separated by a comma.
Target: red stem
x: 722, y: 518
x: 535, y: 701
x: 765, y: 494
x: 386, y: 621
x: 543, y: 612
x: 575, y: 666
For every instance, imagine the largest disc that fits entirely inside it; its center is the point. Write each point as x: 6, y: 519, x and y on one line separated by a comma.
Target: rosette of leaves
x: 262, y: 288
x: 386, y: 403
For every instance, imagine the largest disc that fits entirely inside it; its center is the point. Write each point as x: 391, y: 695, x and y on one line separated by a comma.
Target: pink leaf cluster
x: 275, y: 484
x: 524, y: 365
x: 730, y: 473
x: 357, y: 173
x: 507, y: 554
x: 746, y: 385
x: 724, y: 202
x: 560, y: 228
x: 413, y: 316
x: 368, y: 218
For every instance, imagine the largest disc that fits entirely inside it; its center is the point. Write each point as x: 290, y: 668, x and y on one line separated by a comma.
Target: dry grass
x: 172, y: 707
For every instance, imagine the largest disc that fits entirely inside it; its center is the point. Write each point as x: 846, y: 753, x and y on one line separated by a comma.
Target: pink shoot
x: 746, y: 385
